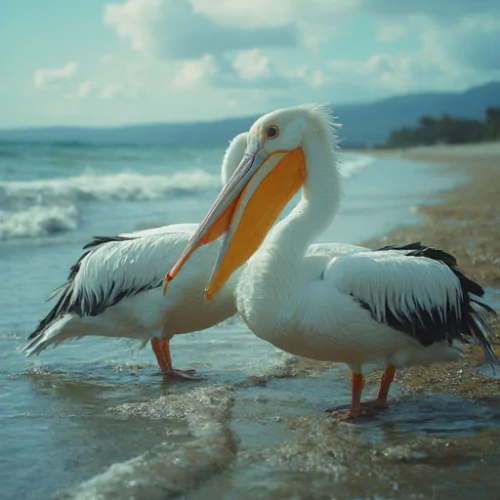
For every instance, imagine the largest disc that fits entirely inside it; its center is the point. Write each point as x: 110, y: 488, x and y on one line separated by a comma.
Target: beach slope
x: 466, y: 223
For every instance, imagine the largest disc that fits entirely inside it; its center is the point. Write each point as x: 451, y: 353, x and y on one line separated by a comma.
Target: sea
x: 93, y: 419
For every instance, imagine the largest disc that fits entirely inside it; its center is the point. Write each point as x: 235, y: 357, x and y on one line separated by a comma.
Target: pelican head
x: 272, y: 170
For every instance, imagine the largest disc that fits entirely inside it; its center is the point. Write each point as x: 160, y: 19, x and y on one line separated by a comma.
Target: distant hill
x: 364, y: 124
x: 372, y: 123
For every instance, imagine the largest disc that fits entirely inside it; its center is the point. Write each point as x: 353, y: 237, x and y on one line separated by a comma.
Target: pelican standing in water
x: 396, y: 306
x: 114, y: 289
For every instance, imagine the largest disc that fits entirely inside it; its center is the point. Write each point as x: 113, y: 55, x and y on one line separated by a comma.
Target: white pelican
x: 114, y: 289
x: 395, y: 306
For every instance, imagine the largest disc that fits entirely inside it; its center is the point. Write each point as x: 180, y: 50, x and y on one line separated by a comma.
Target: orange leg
x: 355, y: 410
x: 357, y: 384
x: 161, y: 348
x: 165, y: 345
x: 168, y: 358
x: 385, y: 384
x: 158, y: 350
x: 359, y: 409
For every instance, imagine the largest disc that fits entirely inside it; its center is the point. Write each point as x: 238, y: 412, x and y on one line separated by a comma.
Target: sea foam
x: 38, y: 208
x: 120, y: 186
x: 37, y: 221
x: 352, y: 164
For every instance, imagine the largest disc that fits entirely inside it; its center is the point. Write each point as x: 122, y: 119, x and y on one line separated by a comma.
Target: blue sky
x: 96, y: 62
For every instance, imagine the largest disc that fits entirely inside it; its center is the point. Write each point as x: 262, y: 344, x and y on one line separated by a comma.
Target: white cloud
x: 195, y: 73
x: 55, y: 77
x: 256, y: 54
x: 443, y: 12
x: 218, y: 44
x: 108, y: 90
x: 254, y: 14
x: 449, y: 56
x: 174, y: 29
x: 385, y: 72
x: 316, y: 21
x: 134, y: 20
x: 428, y: 68
x: 252, y: 65
x: 313, y: 78
x: 318, y: 78
x: 258, y: 13
x: 473, y: 42
x: 85, y: 88
x: 250, y: 70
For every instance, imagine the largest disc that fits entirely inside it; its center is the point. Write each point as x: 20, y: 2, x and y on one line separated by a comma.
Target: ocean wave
x: 351, y: 164
x: 125, y: 186
x: 40, y: 208
x: 37, y: 221
x: 121, y: 186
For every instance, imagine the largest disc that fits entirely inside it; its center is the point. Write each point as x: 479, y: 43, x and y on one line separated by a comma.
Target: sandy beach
x: 466, y: 223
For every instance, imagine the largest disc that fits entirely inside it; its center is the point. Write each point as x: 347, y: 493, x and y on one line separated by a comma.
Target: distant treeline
x: 447, y: 130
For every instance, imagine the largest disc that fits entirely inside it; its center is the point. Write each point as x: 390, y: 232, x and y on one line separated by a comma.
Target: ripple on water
x: 258, y: 433
x: 323, y: 459
x: 166, y: 470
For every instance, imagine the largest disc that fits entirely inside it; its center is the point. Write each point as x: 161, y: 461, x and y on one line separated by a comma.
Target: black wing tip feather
x: 486, y: 307
x: 99, y: 240
x: 428, y: 327
x: 64, y: 305
x: 481, y: 331
x: 418, y: 250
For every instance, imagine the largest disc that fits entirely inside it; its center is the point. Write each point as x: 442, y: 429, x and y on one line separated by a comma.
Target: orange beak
x: 245, y: 210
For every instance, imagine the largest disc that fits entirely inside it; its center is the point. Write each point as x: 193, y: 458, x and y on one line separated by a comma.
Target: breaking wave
x: 121, y: 186
x: 350, y: 164
x: 37, y: 221
x: 43, y: 207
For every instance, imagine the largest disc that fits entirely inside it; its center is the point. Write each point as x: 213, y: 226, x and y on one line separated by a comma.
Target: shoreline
x: 466, y: 223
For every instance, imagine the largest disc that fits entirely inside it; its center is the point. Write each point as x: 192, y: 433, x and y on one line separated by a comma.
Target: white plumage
x: 395, y: 306
x: 337, y: 309
x: 115, y: 288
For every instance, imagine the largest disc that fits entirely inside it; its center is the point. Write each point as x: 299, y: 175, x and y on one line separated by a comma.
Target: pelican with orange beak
x: 114, y: 290
x: 395, y: 306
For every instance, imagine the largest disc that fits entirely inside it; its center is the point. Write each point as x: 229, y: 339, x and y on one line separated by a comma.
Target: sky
x: 96, y: 62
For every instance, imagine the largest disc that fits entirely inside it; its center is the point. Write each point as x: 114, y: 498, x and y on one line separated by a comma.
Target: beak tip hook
x: 166, y: 281
x: 208, y: 293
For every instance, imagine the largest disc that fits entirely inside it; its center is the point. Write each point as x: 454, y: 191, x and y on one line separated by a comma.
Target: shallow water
x: 93, y: 419
x: 247, y: 433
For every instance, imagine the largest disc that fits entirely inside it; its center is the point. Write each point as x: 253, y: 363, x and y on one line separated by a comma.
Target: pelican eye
x: 272, y: 132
